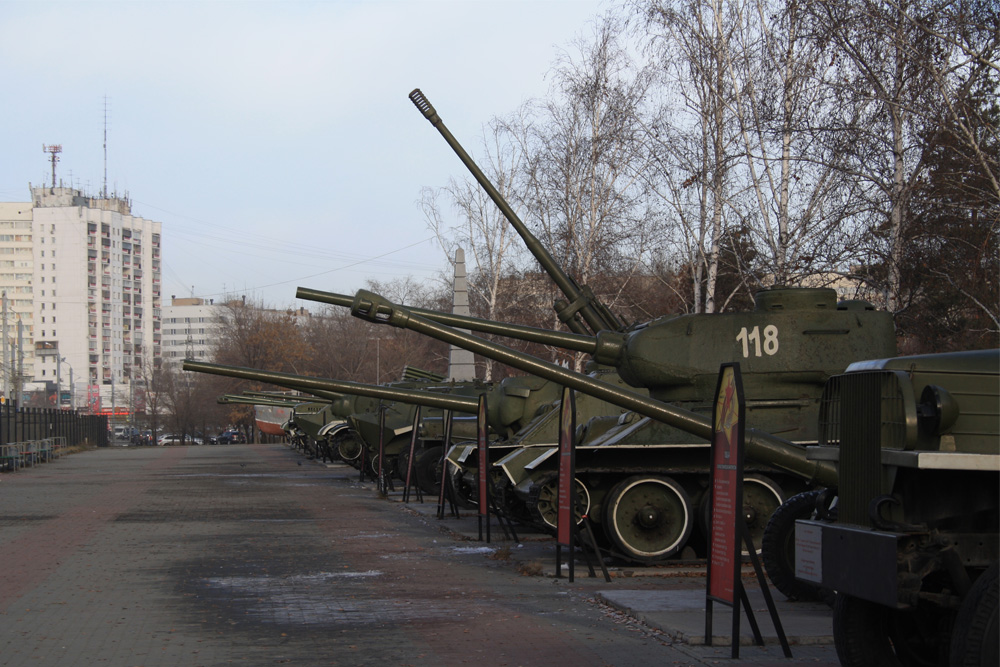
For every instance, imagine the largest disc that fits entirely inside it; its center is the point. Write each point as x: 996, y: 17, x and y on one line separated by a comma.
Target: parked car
x: 230, y: 437
x: 170, y: 439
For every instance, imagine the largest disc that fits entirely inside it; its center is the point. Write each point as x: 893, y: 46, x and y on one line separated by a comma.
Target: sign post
x: 482, y: 476
x: 728, y: 526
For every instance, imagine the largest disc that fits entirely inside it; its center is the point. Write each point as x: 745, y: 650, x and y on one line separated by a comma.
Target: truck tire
x: 868, y: 634
x: 975, y: 640
x: 778, y: 549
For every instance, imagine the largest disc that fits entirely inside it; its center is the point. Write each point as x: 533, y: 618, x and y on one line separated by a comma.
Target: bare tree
x: 587, y: 195
x: 693, y: 137
x: 798, y: 204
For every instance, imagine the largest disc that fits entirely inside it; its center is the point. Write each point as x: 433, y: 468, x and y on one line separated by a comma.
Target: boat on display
x: 271, y: 418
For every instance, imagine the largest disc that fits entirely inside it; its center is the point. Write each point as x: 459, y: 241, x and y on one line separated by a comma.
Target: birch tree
x: 587, y: 195
x: 693, y: 137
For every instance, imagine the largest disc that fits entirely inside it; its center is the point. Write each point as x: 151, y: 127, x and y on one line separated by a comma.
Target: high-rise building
x: 191, y: 328
x: 82, y: 276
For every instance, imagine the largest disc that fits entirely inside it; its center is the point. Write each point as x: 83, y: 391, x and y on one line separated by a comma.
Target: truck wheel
x: 975, y: 640
x: 648, y: 518
x: 778, y: 549
x: 868, y: 634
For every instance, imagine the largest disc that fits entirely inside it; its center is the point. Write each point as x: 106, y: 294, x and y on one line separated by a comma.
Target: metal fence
x: 27, y: 424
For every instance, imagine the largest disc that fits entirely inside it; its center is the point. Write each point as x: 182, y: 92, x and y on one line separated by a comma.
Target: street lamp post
x: 72, y: 388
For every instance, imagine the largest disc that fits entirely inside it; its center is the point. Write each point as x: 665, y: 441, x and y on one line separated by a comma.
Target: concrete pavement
x: 250, y: 554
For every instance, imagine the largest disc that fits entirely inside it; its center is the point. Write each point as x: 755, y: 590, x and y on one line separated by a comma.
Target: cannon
x: 514, y: 403
x: 790, y: 344
x: 349, y: 419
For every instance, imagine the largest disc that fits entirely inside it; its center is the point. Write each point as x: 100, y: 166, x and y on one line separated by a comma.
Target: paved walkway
x: 252, y: 555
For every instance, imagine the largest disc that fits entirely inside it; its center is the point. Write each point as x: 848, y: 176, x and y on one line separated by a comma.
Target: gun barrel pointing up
x: 597, y: 316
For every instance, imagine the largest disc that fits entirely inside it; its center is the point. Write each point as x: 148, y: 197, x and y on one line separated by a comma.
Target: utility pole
x: 20, y: 361
x: 6, y: 367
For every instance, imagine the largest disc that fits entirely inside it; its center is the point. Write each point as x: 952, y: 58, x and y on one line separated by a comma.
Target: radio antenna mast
x: 104, y: 191
x: 54, y: 150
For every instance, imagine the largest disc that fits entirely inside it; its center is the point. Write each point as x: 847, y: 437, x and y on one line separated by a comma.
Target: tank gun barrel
x: 286, y: 398
x: 581, y: 300
x: 568, y: 341
x: 232, y: 399
x: 761, y: 446
x: 327, y: 387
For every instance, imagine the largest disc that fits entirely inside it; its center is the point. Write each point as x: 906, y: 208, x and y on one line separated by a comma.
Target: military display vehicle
x: 513, y: 403
x: 912, y: 547
x: 648, y: 503
x: 783, y: 343
x: 307, y: 425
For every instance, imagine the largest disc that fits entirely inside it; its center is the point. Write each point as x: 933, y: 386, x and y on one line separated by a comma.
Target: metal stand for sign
x: 728, y: 526
x: 382, y: 481
x: 566, y: 525
x: 487, y: 491
x: 409, y: 460
x: 447, y: 492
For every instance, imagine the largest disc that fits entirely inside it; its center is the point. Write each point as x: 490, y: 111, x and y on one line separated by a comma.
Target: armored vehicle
x: 513, y: 403
x: 648, y: 504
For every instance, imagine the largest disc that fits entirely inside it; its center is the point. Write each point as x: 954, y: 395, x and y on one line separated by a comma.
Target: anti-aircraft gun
x: 581, y: 309
x: 788, y: 346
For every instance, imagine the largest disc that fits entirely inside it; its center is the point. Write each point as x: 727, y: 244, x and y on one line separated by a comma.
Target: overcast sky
x: 274, y: 140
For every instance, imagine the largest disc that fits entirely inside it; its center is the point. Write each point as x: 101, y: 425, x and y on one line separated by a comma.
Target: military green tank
x: 783, y: 394
x: 513, y: 403
x: 788, y: 346
x: 516, y: 425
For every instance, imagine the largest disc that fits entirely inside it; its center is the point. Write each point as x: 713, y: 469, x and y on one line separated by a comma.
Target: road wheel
x: 761, y: 497
x: 348, y: 447
x: 976, y: 635
x: 546, y: 505
x: 778, y: 548
x: 648, y: 518
x: 868, y: 634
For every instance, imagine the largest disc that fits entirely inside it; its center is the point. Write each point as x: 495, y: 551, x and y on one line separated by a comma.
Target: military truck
x: 913, y: 543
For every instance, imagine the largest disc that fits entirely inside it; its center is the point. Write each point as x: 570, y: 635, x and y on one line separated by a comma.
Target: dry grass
x: 532, y: 568
x: 501, y: 553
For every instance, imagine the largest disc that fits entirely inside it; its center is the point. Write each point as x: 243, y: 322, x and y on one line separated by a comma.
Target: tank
x: 512, y: 403
x: 917, y: 442
x: 788, y: 346
x: 515, y: 434
x: 350, y: 420
x: 686, y: 374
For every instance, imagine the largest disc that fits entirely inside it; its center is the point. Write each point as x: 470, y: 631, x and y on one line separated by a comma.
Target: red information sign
x: 727, y: 486
x: 567, y: 470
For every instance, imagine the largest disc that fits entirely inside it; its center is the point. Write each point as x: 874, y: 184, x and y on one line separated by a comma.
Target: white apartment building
x: 190, y: 328
x: 82, y: 275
